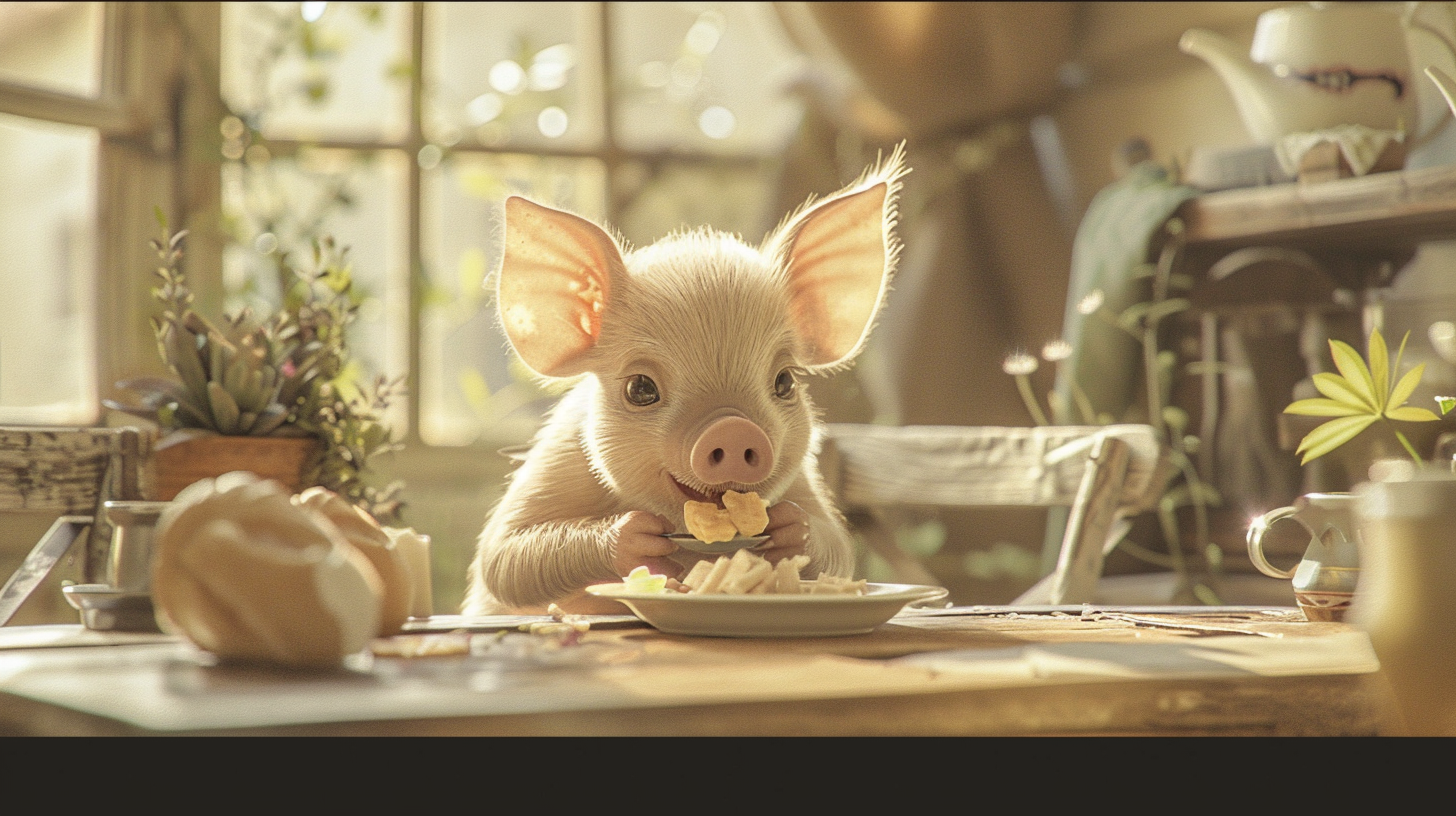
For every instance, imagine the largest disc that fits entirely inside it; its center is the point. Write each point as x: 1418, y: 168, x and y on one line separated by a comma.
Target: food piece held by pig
x: 748, y: 512
x: 708, y: 522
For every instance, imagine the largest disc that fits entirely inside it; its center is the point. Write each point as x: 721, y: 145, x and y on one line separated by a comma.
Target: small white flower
x: 1019, y: 364
x: 1056, y: 350
x: 1091, y: 303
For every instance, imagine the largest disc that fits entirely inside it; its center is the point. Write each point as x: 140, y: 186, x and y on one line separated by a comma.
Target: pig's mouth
x: 714, y: 497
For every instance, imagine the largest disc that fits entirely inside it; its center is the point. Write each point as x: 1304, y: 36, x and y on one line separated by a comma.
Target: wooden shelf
x: 1383, y: 214
x: 1259, y: 260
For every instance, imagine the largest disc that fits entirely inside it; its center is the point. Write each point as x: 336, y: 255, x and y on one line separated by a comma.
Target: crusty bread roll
x: 246, y: 574
x: 378, y: 546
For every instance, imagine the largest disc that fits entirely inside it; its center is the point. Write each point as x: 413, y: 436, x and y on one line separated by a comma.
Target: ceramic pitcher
x: 1324, y: 579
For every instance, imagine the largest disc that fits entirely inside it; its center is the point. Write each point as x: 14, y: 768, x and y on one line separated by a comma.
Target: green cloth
x: 1111, y: 243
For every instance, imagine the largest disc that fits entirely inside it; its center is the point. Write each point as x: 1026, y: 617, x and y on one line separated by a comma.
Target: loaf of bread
x: 376, y: 544
x: 246, y: 573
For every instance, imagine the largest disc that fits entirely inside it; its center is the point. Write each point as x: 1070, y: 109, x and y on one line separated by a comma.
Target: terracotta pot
x: 177, y: 464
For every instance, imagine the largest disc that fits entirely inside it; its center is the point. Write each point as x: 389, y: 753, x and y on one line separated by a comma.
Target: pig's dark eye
x: 641, y: 390
x: 785, y: 385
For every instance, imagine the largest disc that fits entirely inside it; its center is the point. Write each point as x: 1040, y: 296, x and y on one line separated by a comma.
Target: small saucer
x: 108, y: 609
x: 688, y: 542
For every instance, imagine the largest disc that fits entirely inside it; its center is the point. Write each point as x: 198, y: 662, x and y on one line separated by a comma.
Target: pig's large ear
x: 840, y: 255
x: 555, y: 281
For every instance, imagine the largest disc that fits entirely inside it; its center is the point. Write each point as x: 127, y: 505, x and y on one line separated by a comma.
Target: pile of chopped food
x: 746, y: 573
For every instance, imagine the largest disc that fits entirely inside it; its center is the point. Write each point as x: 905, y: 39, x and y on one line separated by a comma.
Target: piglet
x: 692, y: 354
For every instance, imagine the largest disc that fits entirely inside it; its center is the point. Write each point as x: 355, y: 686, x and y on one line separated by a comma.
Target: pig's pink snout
x: 732, y: 449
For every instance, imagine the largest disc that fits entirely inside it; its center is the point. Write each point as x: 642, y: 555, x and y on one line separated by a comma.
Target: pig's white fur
x: 711, y: 320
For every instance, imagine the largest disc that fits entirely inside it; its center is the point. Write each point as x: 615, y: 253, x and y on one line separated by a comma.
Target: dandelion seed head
x: 1018, y: 364
x: 1056, y: 350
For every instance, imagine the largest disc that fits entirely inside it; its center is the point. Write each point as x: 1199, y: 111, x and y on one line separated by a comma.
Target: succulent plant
x: 282, y: 376
x: 226, y: 381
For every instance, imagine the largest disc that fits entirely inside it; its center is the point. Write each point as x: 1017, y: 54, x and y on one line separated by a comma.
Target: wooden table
x: 960, y: 671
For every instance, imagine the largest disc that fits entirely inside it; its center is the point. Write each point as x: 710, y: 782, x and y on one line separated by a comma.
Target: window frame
x: 597, y: 17
x: 153, y: 58
x: 158, y: 112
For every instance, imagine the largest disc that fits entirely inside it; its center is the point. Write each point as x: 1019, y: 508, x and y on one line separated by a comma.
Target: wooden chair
x: 1103, y: 474
x: 71, y: 472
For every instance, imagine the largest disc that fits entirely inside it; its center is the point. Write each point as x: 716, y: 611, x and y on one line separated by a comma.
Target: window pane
x: 54, y: 46
x: 679, y: 195
x: 358, y: 199
x: 47, y: 227
x: 470, y: 385
x: 702, y: 77
x: 320, y: 70
x: 512, y: 74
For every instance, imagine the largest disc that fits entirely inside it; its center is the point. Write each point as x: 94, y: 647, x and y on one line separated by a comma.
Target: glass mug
x: 124, y: 603
x: 1324, y: 579
x: 129, y: 566
x: 1408, y: 592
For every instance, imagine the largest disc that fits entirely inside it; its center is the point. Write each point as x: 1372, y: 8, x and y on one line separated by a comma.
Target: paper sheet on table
x: 1231, y: 656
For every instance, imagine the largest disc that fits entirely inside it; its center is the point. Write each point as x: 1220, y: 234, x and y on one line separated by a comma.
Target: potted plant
x: 1360, y: 396
x: 265, y: 395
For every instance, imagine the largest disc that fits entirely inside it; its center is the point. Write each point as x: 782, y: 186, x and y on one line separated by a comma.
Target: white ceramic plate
x: 770, y: 615
x: 688, y: 542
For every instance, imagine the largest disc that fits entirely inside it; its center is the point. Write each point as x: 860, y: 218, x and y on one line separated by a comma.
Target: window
x: 89, y: 150
x: 53, y: 112
x: 398, y: 128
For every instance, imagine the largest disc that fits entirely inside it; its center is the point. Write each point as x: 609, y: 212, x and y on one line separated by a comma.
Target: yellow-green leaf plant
x: 1358, y: 397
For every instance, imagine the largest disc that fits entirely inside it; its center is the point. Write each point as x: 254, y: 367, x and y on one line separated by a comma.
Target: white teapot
x: 1317, y: 66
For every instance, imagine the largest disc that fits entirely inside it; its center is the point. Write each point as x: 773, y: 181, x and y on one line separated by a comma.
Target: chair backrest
x: 71, y: 472
x: 1104, y: 473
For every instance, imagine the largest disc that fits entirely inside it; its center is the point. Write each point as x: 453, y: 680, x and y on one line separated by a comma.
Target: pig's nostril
x: 716, y: 456
x: 750, y: 456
